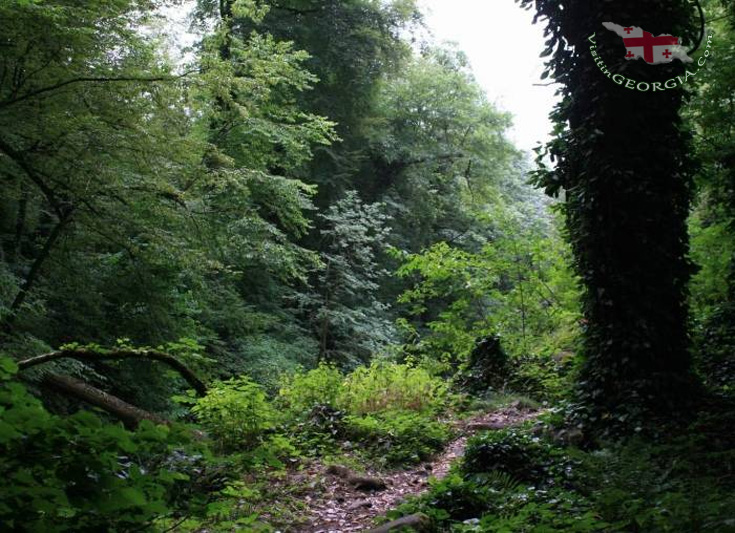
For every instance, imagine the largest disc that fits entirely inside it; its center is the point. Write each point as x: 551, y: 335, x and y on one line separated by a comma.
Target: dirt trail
x: 342, y: 509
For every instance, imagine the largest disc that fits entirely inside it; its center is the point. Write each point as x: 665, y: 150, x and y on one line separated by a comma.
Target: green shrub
x: 301, y: 392
x: 236, y: 413
x: 397, y: 437
x: 510, y: 451
x: 460, y: 499
x: 317, y: 433
x: 554, y: 511
x: 647, y: 487
x: 80, y: 473
x: 500, y: 504
x: 388, y: 405
x: 392, y: 387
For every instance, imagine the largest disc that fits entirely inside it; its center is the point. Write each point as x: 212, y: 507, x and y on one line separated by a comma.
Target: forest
x: 277, y: 266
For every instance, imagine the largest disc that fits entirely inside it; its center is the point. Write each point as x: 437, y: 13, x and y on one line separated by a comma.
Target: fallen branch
x: 130, y: 415
x: 83, y: 354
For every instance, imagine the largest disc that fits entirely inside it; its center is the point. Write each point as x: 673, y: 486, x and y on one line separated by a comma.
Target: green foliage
x: 499, y: 504
x: 510, y: 481
x: 168, y: 232
x: 213, y: 202
x: 317, y: 432
x: 712, y: 222
x: 365, y: 43
x: 522, y: 293
x: 301, y: 392
x: 269, y: 354
x: 389, y: 386
x: 80, y: 473
x: 395, y: 438
x: 439, y: 148
x: 236, y: 413
x: 347, y: 315
x: 536, y: 512
x: 388, y: 408
x: 511, y: 452
x: 650, y: 487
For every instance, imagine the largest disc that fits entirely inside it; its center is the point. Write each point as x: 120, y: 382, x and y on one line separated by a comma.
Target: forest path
x: 340, y: 508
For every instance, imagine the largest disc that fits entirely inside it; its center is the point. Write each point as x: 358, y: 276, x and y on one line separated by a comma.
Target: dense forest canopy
x: 304, y: 251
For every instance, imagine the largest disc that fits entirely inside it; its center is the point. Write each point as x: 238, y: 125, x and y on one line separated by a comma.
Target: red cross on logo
x: 667, y: 53
x: 630, y: 54
x: 648, y: 41
x: 628, y: 30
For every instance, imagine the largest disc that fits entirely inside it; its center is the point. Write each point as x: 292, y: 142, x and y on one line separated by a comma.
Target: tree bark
x: 83, y: 354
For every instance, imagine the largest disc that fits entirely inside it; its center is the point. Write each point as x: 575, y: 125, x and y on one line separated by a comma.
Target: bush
x: 301, y: 392
x: 388, y: 405
x: 398, y: 437
x: 458, y: 498
x: 510, y: 451
x: 389, y: 386
x: 488, y: 367
x: 647, y: 487
x: 81, y: 473
x: 236, y: 413
x: 500, y: 505
x: 317, y: 433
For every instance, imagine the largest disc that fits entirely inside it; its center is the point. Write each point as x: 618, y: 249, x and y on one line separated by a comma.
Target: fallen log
x: 130, y: 415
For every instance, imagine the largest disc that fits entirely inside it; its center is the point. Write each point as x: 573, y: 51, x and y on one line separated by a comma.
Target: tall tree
x: 622, y: 158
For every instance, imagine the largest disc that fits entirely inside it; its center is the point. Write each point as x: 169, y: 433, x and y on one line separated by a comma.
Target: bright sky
x: 503, y: 47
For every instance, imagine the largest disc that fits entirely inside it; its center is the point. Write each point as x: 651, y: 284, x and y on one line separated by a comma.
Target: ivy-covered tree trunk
x: 622, y: 160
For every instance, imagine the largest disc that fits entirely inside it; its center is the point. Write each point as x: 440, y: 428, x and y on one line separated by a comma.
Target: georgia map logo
x: 654, y: 50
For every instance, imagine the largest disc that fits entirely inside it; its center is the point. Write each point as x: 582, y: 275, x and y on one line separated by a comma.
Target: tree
x: 70, y: 119
x: 622, y: 159
x: 521, y: 292
x: 437, y: 152
x: 350, y: 321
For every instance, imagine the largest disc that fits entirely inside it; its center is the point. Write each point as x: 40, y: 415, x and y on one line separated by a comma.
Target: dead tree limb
x: 128, y: 414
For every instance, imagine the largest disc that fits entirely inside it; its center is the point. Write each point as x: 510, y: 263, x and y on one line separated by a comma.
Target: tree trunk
x: 624, y: 165
x: 20, y: 221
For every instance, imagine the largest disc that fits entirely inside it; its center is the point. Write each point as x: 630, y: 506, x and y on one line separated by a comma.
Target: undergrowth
x: 528, y: 481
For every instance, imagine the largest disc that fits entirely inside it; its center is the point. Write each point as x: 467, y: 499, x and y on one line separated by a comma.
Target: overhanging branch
x: 83, y: 354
